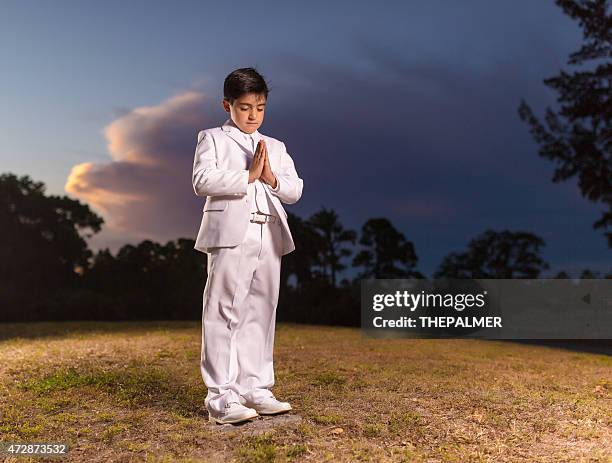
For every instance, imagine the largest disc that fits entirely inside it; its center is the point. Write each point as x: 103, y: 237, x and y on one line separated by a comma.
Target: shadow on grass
x: 133, y: 386
x: 71, y: 328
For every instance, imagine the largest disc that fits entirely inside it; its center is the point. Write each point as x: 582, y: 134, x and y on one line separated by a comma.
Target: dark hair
x: 241, y: 81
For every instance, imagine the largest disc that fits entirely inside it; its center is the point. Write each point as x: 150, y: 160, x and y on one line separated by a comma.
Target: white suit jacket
x: 221, y: 173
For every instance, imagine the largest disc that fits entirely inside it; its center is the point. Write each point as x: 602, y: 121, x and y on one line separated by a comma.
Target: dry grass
x: 133, y: 392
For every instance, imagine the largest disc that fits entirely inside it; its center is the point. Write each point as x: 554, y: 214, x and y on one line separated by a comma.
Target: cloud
x: 418, y: 125
x: 145, y: 190
x: 438, y: 150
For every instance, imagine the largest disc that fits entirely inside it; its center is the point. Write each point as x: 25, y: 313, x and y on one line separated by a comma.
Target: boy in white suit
x: 244, y: 231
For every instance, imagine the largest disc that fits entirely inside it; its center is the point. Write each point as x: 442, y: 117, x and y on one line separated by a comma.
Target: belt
x: 260, y: 217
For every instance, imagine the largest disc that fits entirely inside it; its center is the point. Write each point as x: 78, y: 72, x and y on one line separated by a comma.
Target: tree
x: 562, y: 275
x: 387, y: 254
x: 579, y: 135
x: 150, y: 280
x: 304, y: 258
x: 333, y: 236
x: 41, y: 244
x: 496, y: 255
x: 589, y: 274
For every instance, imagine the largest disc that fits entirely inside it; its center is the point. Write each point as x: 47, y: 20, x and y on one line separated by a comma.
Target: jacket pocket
x: 215, y: 205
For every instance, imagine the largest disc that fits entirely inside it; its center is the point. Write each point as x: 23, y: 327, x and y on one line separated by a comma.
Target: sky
x: 404, y: 110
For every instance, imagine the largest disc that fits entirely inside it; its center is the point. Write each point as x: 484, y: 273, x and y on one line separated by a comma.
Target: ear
x: 226, y: 105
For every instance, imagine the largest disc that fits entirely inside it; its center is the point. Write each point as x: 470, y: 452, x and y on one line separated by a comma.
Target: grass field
x: 133, y: 392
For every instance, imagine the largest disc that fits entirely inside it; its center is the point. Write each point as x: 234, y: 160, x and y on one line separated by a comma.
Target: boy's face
x: 247, y: 112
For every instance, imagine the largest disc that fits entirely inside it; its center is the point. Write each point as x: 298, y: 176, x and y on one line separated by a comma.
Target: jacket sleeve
x: 207, y: 179
x: 289, y: 184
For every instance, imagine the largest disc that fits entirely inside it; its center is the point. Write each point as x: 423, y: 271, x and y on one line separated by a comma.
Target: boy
x: 244, y: 232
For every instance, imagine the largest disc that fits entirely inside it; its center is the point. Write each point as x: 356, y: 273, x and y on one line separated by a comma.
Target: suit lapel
x: 232, y: 131
x: 236, y: 134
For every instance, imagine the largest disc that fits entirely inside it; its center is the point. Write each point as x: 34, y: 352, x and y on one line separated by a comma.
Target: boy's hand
x: 258, y: 162
x: 266, y: 174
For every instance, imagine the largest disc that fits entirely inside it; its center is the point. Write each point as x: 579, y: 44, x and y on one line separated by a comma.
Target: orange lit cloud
x: 145, y: 191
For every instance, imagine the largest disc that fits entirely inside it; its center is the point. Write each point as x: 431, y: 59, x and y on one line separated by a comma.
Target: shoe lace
x: 228, y: 404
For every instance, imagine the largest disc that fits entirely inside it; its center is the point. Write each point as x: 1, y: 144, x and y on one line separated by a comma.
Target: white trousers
x: 239, y: 316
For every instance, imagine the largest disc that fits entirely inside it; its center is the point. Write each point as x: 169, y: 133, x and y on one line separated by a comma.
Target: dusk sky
x: 404, y: 110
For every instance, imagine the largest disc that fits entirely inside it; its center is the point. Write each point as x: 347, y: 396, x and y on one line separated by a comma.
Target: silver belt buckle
x: 258, y: 218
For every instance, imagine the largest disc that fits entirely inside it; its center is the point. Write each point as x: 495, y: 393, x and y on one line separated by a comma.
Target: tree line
x: 49, y: 273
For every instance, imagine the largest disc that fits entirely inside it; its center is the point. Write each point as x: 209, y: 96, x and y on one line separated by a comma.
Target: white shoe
x: 234, y: 413
x: 267, y: 406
